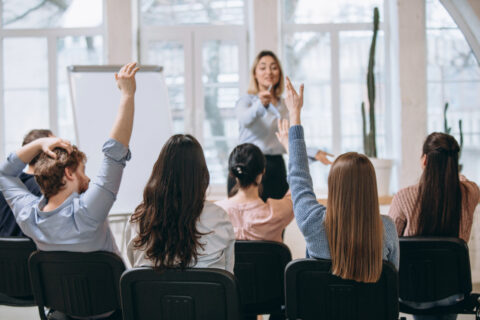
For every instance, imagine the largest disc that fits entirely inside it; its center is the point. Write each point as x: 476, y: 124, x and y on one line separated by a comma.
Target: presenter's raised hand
x: 294, y: 102
x: 126, y: 79
x: 265, y: 97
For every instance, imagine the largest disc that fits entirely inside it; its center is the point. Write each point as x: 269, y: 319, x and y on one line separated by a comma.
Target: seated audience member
x: 8, y: 225
x: 441, y: 204
x: 71, y: 216
x: 252, y: 218
x: 174, y: 226
x: 350, y: 231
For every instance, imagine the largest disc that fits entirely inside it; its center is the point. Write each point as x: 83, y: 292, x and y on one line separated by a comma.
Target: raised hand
x: 294, y: 102
x: 322, y: 157
x: 265, y: 97
x: 126, y: 78
x: 282, y: 133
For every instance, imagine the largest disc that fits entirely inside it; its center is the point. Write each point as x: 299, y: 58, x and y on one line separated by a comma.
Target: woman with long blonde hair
x: 351, y: 232
x: 257, y: 114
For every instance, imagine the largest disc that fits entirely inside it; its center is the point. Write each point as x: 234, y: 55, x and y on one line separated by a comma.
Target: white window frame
x: 192, y: 38
x: 51, y: 35
x: 334, y: 29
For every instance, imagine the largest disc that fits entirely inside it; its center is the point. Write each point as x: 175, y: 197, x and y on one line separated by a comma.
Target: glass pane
x: 52, y: 14
x: 170, y: 55
x: 437, y: 16
x: 354, y: 55
x: 307, y: 57
x: 453, y: 77
x: 174, y: 12
x: 220, y: 85
x: 314, y: 11
x: 25, y: 88
x: 73, y: 51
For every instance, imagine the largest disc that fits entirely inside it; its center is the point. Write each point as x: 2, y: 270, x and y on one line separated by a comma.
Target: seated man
x: 71, y: 216
x: 8, y: 225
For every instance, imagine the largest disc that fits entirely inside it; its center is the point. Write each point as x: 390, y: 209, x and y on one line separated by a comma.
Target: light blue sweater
x: 310, y: 214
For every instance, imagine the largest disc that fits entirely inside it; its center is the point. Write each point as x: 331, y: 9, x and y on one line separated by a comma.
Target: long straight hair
x: 353, y: 224
x: 173, y: 200
x: 439, y: 200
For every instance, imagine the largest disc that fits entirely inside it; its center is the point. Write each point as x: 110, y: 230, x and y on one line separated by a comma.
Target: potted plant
x: 383, y: 167
x: 447, y: 129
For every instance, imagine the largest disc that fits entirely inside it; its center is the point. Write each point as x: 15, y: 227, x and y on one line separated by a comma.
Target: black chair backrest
x: 312, y: 292
x: 76, y: 283
x: 181, y: 295
x: 259, y: 269
x: 14, y: 277
x: 433, y: 268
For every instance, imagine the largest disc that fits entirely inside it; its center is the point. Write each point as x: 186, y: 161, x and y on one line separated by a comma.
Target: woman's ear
x: 424, y: 161
x: 259, y: 178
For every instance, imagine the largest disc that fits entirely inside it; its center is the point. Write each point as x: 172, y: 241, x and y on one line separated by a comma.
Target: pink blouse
x: 258, y: 220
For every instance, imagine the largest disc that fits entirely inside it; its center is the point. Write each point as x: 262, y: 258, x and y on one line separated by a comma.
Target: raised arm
x: 248, y: 110
x: 101, y: 194
x: 122, y: 128
x: 32, y: 149
x: 12, y: 188
x: 308, y: 212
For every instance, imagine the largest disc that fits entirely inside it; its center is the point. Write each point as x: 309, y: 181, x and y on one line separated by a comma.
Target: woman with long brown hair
x: 441, y: 204
x: 350, y: 231
x: 174, y: 226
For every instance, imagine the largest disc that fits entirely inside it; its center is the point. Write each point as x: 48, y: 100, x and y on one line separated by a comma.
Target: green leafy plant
x: 369, y: 138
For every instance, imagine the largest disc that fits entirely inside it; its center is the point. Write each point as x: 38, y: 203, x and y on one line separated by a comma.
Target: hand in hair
x: 322, y: 157
x: 294, y: 102
x: 126, y: 78
x: 32, y: 149
x: 282, y: 133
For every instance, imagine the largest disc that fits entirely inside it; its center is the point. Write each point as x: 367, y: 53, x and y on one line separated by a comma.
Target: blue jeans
x: 436, y: 317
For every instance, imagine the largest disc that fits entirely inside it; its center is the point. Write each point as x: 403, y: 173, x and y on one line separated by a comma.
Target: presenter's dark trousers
x: 274, y: 183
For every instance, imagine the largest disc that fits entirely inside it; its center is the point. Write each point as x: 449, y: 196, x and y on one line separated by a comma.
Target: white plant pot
x: 383, y: 171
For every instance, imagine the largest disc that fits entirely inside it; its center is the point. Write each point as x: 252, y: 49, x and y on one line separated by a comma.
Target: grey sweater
x: 310, y: 214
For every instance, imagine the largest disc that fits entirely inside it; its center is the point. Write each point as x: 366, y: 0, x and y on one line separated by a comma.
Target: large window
x: 202, y: 47
x: 326, y: 46
x: 38, y: 40
x: 454, y: 78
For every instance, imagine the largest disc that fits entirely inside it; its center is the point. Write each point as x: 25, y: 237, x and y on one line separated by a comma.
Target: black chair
x: 77, y: 284
x: 312, y: 292
x: 181, y: 295
x: 259, y: 269
x: 15, y: 289
x: 434, y: 268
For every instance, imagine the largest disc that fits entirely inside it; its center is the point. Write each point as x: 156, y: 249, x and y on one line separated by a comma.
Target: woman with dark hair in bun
x: 252, y: 218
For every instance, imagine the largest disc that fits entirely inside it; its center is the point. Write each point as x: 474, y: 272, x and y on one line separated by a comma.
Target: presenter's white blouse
x: 218, y: 240
x: 258, y: 124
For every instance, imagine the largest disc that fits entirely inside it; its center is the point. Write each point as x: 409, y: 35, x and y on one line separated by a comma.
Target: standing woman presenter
x: 258, y: 113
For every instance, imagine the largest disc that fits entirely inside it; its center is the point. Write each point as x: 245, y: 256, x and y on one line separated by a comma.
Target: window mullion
x: 335, y: 92
x: 52, y: 83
